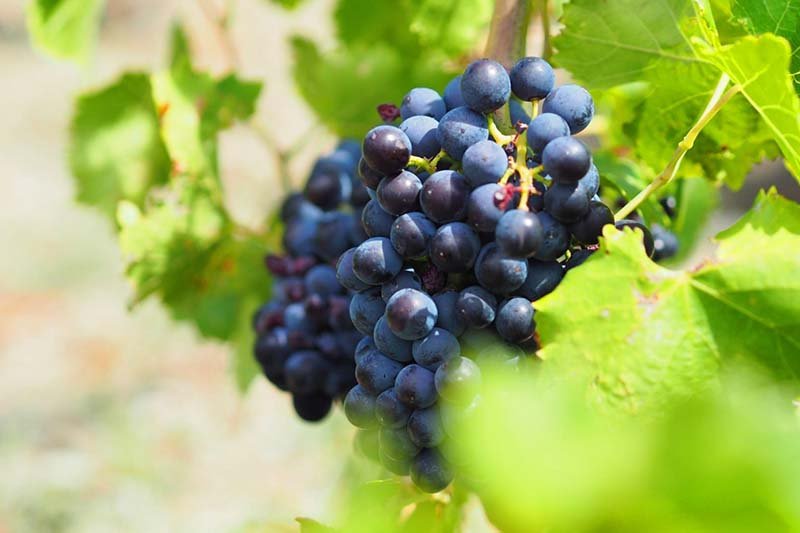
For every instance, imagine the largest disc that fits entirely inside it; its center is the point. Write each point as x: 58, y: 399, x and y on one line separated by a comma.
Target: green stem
x: 547, y: 45
x: 717, y: 102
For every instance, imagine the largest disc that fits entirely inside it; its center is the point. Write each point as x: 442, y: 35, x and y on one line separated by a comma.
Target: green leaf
x: 288, y: 4
x: 627, y: 178
x: 697, y: 198
x: 451, y: 26
x: 609, y: 43
x: 767, y: 85
x: 781, y: 17
x: 659, y: 333
x: 64, y: 29
x: 377, y: 74
x: 116, y: 150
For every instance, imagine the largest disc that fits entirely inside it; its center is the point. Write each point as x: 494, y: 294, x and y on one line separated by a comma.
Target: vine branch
x: 221, y: 20
x: 717, y: 102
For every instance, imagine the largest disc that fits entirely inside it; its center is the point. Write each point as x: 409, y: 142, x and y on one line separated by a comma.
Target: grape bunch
x: 467, y: 226
x: 305, y: 339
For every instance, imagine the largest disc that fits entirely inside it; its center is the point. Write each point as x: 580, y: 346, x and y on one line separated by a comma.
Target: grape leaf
x: 451, y: 26
x: 288, y: 4
x: 697, y: 198
x: 116, y: 151
x: 627, y: 178
x: 781, y: 17
x: 604, y: 44
x: 64, y: 29
x: 661, y: 333
x: 767, y: 85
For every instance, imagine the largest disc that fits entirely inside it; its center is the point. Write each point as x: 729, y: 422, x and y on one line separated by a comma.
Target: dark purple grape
x: 396, y: 443
x: 519, y: 233
x: 476, y: 307
x: 532, y: 78
x: 485, y: 85
x: 366, y: 308
x: 271, y: 352
x: 406, y: 279
x: 422, y: 101
x: 328, y: 186
x: 448, y: 318
x: 386, y: 149
x: 375, y: 261
x: 566, y: 203
x: 458, y: 381
x: 305, y: 372
x: 665, y: 243
x: 459, y: 129
x: 411, y: 314
x: 321, y: 279
x: 556, y: 238
x: 423, y: 133
x: 390, y: 411
x: 572, y: 103
x: 577, y: 258
x: 411, y: 233
x: 543, y: 278
x: 498, y: 272
x: 545, y: 128
x: 483, y: 210
x: 345, y: 275
x: 333, y: 236
x: 369, y: 176
x: 415, y: 387
x: 375, y: 221
x: 436, y: 348
x: 312, y: 407
x: 390, y: 344
x: 425, y: 428
x: 588, y: 229
x: 399, y: 193
x: 359, y: 408
x: 454, y: 247
x: 444, y: 196
x: 365, y: 346
x: 484, y: 162
x: 647, y: 237
x: 376, y: 372
x: 515, y: 321
x: 452, y: 94
x: 430, y: 472
x: 566, y: 160
x: 590, y: 183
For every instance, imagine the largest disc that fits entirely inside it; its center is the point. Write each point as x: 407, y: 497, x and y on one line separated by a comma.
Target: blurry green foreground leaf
x: 64, y: 28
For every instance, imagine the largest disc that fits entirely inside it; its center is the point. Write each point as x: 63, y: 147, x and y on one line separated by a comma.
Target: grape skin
x: 484, y: 162
x: 375, y: 261
x: 430, y: 472
x: 543, y: 277
x: 390, y: 344
x: 499, y: 273
x: 425, y: 428
x: 519, y: 233
x: 359, y: 408
x: 376, y: 221
x: 390, y: 411
x: 572, y: 103
x: 422, y: 101
x: 386, y: 149
x: 444, y: 196
x: 459, y: 129
x: 485, y: 85
x: 376, y: 372
x: 399, y: 194
x: 452, y: 94
x: 422, y: 132
x: 415, y: 387
x: 476, y: 307
x: 590, y: 227
x: 454, y: 247
x: 566, y: 203
x: 438, y: 347
x: 566, y: 160
x: 545, y: 128
x: 411, y: 314
x: 483, y: 212
x: 515, y: 320
x: 411, y: 234
x: 532, y: 78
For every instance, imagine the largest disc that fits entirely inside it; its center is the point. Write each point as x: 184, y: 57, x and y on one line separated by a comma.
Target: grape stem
x: 717, y: 102
x: 547, y: 44
x: 500, y: 138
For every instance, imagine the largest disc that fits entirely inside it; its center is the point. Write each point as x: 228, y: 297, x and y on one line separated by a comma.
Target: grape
x: 448, y: 318
x: 271, y: 351
x: 387, y: 149
x: 454, y: 247
x: 366, y: 443
x: 396, y: 443
x: 430, y: 472
x: 515, y: 320
x: 458, y: 381
x: 499, y: 273
x: 485, y: 85
x: 422, y: 132
x: 444, y: 195
x: 327, y: 186
x: 588, y: 229
x: 415, y: 387
x: 422, y: 101
x: 296, y: 205
x: 364, y: 346
x: 359, y: 408
x: 665, y: 243
x: 332, y: 236
x: 400, y: 467
x: 312, y: 407
x: 345, y: 275
x: 411, y: 314
x: 572, y: 103
x: 476, y: 307
x: 376, y: 221
x: 543, y: 278
x: 376, y: 372
x: 647, y: 237
x: 390, y: 344
x: 590, y: 183
x: 425, y: 428
x: 545, y: 128
x: 376, y: 261
x: 321, y: 279
x: 298, y: 238
x: 566, y: 159
x: 359, y: 196
x: 399, y: 194
x: 519, y: 233
x: 366, y: 308
x: 556, y: 239
x: 566, y: 203
x: 532, y: 78
x: 411, y: 234
x: 368, y: 175
x: 452, y: 94
x: 484, y: 162
x: 536, y: 199
x: 436, y: 348
x: 390, y: 411
x: 406, y: 279
x: 459, y: 129
x: 670, y: 206
x: 305, y: 372
x: 518, y: 113
x: 295, y: 319
x: 483, y: 211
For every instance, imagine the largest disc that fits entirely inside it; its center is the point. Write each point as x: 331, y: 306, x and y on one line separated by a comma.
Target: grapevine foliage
x: 632, y: 337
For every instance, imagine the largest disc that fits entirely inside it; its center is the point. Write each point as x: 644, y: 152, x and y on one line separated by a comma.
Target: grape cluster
x: 467, y: 227
x: 305, y: 339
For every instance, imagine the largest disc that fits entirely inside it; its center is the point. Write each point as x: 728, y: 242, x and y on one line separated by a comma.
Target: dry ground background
x: 117, y: 421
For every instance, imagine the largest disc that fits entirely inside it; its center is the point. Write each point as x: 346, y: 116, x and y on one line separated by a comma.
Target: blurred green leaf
x: 116, y: 151
x: 658, y: 334
x: 65, y: 29
x: 781, y: 17
x: 451, y: 26
x: 697, y: 199
x: 627, y: 178
x: 542, y: 460
x: 288, y: 4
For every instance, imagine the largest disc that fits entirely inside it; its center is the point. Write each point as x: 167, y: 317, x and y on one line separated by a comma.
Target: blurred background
x: 117, y: 421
